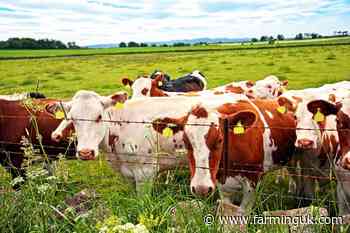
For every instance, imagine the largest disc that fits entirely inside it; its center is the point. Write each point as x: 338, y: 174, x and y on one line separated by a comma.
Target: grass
x: 31, y: 211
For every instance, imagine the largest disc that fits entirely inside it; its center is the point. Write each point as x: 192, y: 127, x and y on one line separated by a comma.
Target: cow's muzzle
x: 56, y: 137
x: 202, y: 190
x: 305, y: 144
x: 86, y: 154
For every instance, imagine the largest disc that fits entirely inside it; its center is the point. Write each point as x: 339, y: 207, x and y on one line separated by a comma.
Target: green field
x: 18, y: 54
x: 30, y: 210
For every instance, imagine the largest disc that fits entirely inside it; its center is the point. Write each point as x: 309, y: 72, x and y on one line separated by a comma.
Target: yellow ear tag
x: 127, y: 86
x: 319, y: 117
x: 238, y: 129
x: 119, y: 105
x: 283, y: 89
x: 167, y: 132
x: 160, y: 83
x: 282, y: 109
x: 59, y: 115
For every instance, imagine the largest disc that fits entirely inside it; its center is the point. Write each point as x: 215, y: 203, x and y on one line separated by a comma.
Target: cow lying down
x: 195, y: 126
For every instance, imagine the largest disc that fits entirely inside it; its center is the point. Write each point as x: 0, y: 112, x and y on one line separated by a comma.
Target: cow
x: 316, y: 147
x: 31, y: 119
x: 143, y: 86
x: 126, y: 133
x: 22, y: 96
x: 264, y: 141
x: 341, y: 111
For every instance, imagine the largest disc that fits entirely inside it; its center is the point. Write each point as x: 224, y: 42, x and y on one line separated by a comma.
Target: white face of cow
x: 197, y: 132
x: 308, y: 131
x: 87, y: 113
x: 141, y: 87
x: 269, y: 88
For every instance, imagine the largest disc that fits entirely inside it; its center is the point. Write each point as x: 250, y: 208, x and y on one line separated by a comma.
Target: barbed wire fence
x: 294, y: 172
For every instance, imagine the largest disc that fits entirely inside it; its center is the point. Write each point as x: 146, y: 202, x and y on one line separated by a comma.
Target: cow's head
x: 268, y: 88
x: 87, y: 113
x: 342, y: 111
x: 141, y: 87
x: 145, y: 86
x: 203, y: 137
x: 308, y: 131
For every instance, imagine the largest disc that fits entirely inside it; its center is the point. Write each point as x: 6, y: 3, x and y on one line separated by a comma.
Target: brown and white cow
x: 18, y: 120
x: 341, y: 110
x: 316, y: 146
x: 131, y: 147
x: 267, y: 143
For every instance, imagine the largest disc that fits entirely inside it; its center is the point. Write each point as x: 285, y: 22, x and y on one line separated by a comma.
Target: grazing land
x: 37, y: 207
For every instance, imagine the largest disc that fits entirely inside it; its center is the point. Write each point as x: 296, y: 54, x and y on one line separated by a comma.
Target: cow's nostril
x: 210, y: 190
x: 193, y: 189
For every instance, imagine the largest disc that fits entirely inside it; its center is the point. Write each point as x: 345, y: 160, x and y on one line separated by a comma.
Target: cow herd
x: 258, y: 127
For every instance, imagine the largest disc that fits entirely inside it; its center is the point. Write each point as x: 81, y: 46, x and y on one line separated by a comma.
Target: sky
x: 90, y: 22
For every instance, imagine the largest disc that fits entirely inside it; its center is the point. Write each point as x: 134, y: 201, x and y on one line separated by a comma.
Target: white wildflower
x: 43, y: 188
x: 37, y: 173
x: 51, y: 178
x: 17, y: 180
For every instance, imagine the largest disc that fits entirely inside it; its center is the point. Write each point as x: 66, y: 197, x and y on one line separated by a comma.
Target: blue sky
x: 106, y: 21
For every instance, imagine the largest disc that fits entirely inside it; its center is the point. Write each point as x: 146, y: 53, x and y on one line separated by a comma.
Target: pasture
x: 37, y: 207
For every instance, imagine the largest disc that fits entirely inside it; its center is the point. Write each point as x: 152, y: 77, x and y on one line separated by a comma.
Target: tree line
x: 299, y: 36
x: 30, y: 43
x: 133, y: 44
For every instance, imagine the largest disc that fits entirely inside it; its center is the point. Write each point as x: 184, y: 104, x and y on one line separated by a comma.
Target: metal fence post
x: 225, y: 149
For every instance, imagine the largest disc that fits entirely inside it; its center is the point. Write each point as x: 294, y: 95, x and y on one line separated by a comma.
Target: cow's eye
x: 269, y: 86
x: 99, y: 118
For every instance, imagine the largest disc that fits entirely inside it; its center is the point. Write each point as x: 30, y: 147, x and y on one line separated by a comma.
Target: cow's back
x: 248, y: 153
x: 282, y: 126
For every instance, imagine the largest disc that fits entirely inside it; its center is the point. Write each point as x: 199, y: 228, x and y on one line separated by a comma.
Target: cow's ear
x: 284, y: 102
x: 332, y: 98
x: 324, y: 107
x: 285, y: 83
x: 250, y: 83
x: 159, y: 80
x: 55, y: 107
x: 127, y: 82
x: 119, y: 97
x: 175, y: 124
x: 245, y: 118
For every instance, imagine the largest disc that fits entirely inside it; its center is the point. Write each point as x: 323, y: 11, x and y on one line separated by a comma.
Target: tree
x: 153, y: 45
x: 122, y: 45
x: 133, y: 44
x: 264, y: 38
x: 272, y: 41
x: 254, y: 40
x: 280, y: 37
x: 299, y: 36
x: 30, y: 43
x: 143, y: 45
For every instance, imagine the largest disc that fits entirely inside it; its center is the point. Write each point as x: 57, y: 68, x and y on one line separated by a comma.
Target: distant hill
x: 187, y: 41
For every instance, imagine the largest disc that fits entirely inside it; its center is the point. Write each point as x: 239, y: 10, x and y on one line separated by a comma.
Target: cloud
x: 108, y: 21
